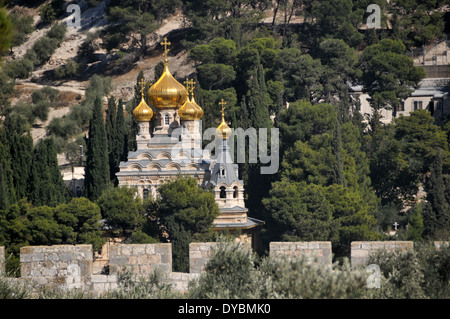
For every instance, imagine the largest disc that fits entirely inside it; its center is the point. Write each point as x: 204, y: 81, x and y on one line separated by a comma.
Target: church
x: 169, y: 144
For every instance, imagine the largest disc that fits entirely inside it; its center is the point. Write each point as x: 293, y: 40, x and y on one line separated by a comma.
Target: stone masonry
x: 314, y: 250
x: 199, y: 255
x: 361, y: 250
x: 70, y: 266
x: 65, y: 266
x: 141, y: 259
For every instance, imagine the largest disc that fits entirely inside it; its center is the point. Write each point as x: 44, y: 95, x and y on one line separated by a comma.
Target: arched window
x: 166, y: 119
x: 235, y: 193
x: 223, y: 192
x: 222, y: 171
x: 146, y: 193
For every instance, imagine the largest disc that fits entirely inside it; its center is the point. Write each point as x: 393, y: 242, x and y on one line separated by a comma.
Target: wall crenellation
x: 70, y: 266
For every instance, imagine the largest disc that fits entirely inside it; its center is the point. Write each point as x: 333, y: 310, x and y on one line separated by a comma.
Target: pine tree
x: 97, y: 166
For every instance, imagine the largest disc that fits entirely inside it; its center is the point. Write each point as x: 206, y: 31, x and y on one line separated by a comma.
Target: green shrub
x: 44, y: 48
x: 58, y: 32
x: 153, y: 286
x: 420, y: 273
x: 230, y: 273
x: 47, y: 13
x: 63, y: 127
x: 19, y: 69
x: 41, y: 110
x: 12, y: 290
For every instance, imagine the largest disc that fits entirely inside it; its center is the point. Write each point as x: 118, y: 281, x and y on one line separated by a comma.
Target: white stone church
x: 169, y: 145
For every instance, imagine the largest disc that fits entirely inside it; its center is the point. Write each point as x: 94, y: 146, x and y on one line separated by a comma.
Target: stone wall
x: 70, y: 266
x: 199, y: 255
x: 315, y: 250
x: 361, y: 250
x: 63, y: 266
x: 140, y: 259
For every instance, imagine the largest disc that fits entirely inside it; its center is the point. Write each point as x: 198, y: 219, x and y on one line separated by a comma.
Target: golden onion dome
x: 143, y: 112
x: 200, y: 110
x: 167, y: 92
x: 223, y: 131
x: 188, y: 111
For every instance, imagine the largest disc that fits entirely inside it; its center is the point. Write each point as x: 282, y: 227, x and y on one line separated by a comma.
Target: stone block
x: 132, y: 260
x: 166, y: 258
x: 154, y: 259
x: 150, y: 249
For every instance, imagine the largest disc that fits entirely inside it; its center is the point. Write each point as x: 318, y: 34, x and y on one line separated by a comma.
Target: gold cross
x: 165, y: 44
x: 187, y: 83
x: 222, y: 103
x: 192, y: 84
x: 142, y: 84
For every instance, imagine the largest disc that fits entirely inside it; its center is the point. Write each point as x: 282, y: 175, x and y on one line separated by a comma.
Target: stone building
x: 432, y: 95
x: 169, y: 145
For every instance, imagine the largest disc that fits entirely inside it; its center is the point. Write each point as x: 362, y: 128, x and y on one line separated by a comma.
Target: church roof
x: 224, y: 162
x: 250, y: 223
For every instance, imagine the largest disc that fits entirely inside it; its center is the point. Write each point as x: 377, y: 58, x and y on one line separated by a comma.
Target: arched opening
x: 223, y: 192
x: 78, y: 191
x: 235, y: 193
x: 146, y: 193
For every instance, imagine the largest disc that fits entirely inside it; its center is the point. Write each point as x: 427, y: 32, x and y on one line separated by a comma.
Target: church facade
x: 169, y: 145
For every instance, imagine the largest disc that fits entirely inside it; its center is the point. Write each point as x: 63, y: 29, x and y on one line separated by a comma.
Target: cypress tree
x: 111, y: 122
x: 5, y: 163
x: 46, y: 183
x: 437, y: 214
x: 339, y: 177
x: 19, y: 147
x: 121, y: 136
x: 111, y: 136
x: 119, y: 147
x: 3, y: 190
x: 97, y: 165
x: 21, y: 159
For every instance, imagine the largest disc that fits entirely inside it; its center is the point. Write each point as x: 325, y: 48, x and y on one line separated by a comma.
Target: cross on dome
x: 222, y: 103
x: 166, y: 50
x: 142, y: 83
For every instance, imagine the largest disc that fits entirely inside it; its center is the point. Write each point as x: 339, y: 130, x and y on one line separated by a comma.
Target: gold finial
x: 222, y: 103
x: 166, y: 50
